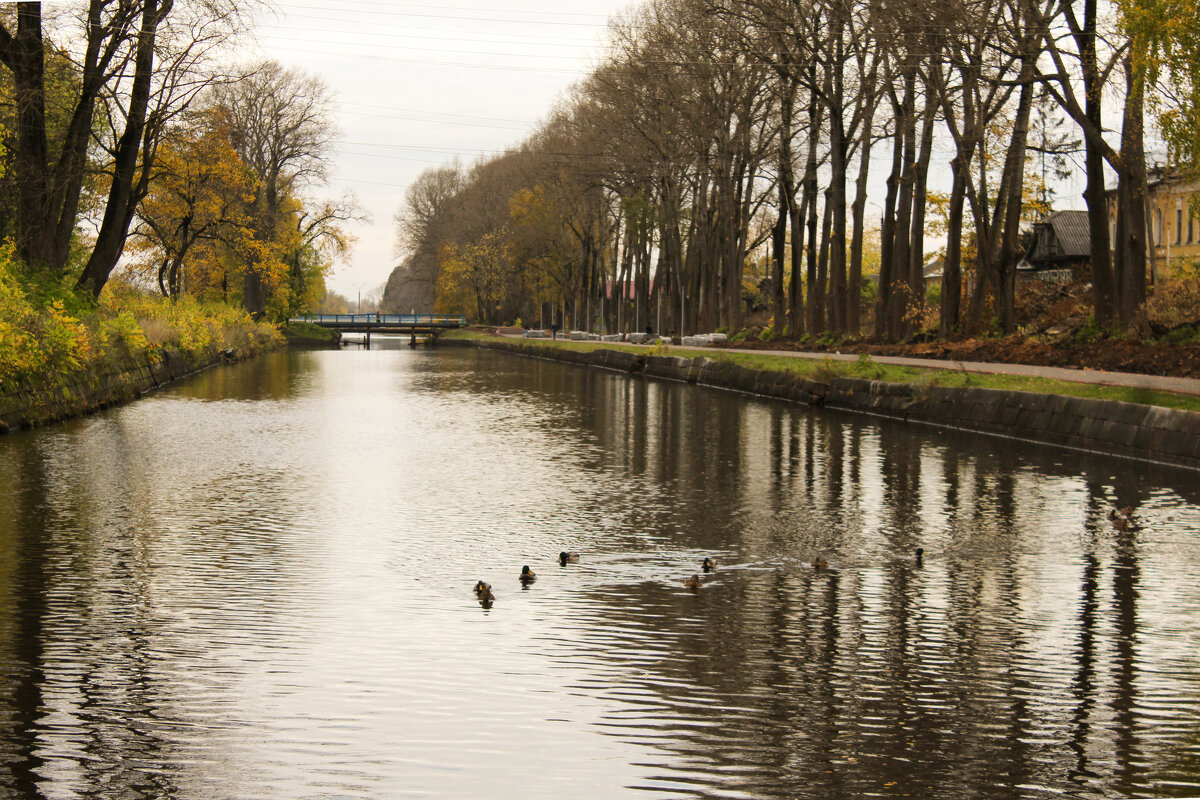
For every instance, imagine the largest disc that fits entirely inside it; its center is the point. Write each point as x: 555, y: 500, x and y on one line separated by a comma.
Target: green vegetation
x: 49, y: 333
x: 864, y: 367
x: 308, y: 333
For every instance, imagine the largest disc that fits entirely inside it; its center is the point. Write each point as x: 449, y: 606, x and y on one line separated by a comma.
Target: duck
x: 820, y: 564
x: 527, y: 576
x: 483, y: 591
x: 1121, y: 517
x: 1120, y: 513
x: 693, y: 583
x: 565, y: 558
x: 919, y: 556
x: 708, y: 565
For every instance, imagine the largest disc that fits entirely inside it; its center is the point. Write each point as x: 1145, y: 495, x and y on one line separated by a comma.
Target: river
x: 258, y: 584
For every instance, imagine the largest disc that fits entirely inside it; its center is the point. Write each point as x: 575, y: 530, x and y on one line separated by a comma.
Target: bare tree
x: 282, y: 127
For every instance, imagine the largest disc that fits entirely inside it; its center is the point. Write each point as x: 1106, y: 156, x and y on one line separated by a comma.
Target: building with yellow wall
x: 1174, y: 228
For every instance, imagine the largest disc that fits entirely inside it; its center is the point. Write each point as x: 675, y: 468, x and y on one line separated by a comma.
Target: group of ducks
x: 821, y: 565
x: 483, y: 590
x: 486, y: 597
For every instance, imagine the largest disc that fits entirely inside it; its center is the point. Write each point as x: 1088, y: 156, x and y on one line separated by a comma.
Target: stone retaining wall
x: 1144, y: 432
x: 42, y: 401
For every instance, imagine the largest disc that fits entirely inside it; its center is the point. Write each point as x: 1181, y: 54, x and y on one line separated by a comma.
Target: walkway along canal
x: 257, y: 582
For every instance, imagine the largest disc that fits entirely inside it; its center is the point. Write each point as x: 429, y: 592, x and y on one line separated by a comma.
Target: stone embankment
x: 1150, y: 433
x: 44, y: 400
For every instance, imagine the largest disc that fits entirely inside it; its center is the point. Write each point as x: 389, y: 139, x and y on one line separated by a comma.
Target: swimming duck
x: 820, y: 564
x: 565, y: 558
x: 920, y: 556
x: 483, y: 591
x: 527, y: 575
x: 693, y: 583
x: 708, y: 565
x: 1121, y: 517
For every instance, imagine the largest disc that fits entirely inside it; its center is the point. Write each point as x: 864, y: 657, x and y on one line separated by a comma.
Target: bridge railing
x: 439, y: 320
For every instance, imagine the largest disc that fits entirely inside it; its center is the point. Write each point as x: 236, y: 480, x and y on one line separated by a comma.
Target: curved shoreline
x: 1130, y: 430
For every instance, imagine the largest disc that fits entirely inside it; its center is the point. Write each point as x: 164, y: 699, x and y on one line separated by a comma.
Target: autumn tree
x: 281, y: 126
x: 199, y: 192
x: 137, y: 65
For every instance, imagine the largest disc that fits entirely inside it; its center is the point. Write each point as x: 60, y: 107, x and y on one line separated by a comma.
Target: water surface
x: 257, y: 584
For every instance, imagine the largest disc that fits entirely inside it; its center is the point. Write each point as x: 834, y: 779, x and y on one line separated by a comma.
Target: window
x: 1158, y: 237
x: 1191, y: 228
x: 1179, y: 221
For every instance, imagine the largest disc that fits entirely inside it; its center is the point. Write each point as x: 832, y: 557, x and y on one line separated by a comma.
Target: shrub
x: 1175, y: 301
x: 1184, y: 334
x: 50, y: 332
x: 1089, y: 332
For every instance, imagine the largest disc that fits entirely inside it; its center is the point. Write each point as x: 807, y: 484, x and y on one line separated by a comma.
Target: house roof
x: 1071, y: 230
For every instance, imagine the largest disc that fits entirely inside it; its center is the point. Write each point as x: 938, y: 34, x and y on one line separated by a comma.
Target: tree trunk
x: 887, y: 235
x: 1131, y: 198
x: 1094, y: 193
x: 952, y: 268
x: 854, y: 288
x: 906, y: 122
x: 916, y: 270
x: 118, y: 212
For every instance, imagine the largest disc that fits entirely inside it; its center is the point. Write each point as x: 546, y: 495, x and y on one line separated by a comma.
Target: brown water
x: 257, y: 584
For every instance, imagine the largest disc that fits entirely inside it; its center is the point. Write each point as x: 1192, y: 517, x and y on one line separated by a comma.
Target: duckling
x: 820, y: 564
x: 565, y: 558
x: 527, y: 576
x: 693, y: 583
x: 708, y: 565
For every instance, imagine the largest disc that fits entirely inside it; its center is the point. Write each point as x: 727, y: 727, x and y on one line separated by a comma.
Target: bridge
x: 426, y: 325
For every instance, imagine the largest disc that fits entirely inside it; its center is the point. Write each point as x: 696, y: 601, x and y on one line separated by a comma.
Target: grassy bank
x: 308, y: 334
x: 869, y: 369
x: 50, y: 336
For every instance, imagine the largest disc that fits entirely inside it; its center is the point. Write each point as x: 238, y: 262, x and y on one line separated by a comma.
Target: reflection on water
x: 258, y: 584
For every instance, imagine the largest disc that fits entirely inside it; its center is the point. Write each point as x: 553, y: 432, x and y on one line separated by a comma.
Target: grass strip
x: 865, y: 367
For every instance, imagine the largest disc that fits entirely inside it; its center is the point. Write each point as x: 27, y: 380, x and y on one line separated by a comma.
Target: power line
x: 398, y: 60
x: 573, y: 57
x: 410, y: 32
x: 438, y: 113
x: 459, y: 18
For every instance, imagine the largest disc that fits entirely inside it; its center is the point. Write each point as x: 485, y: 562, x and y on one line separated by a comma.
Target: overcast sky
x: 418, y: 85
